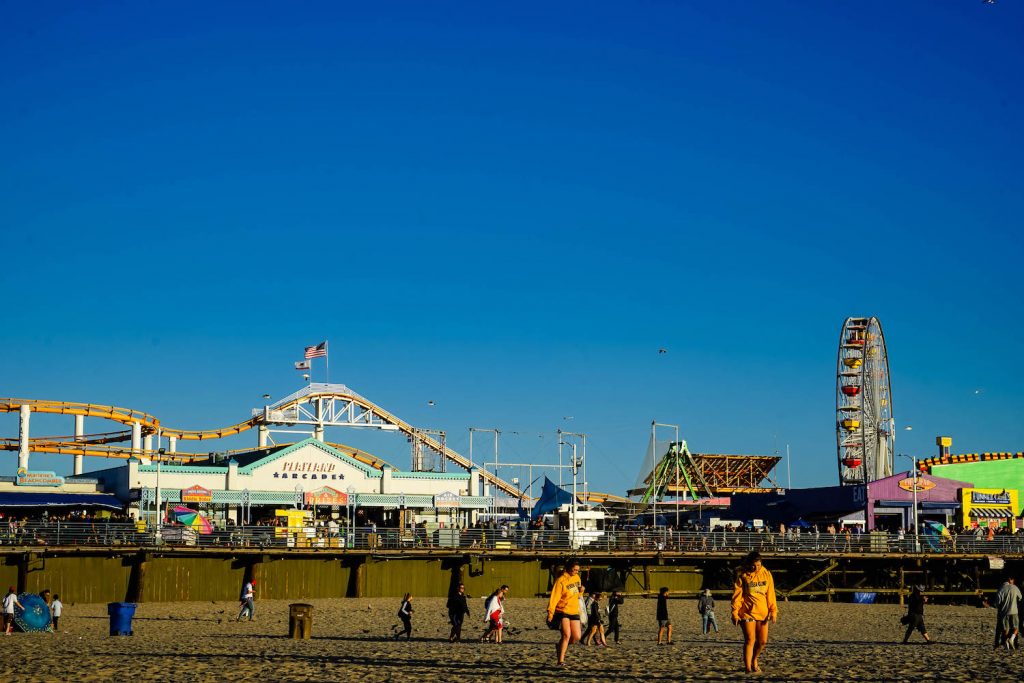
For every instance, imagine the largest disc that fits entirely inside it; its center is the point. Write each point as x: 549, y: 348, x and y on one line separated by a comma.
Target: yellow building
x: 989, y: 507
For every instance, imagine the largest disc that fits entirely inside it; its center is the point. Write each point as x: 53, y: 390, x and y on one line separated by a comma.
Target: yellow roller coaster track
x: 94, y: 445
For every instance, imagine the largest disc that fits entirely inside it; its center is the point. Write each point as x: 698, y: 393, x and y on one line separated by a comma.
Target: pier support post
x: 79, y: 431
x: 136, y: 590
x: 24, y: 564
x: 136, y: 437
x: 25, y: 413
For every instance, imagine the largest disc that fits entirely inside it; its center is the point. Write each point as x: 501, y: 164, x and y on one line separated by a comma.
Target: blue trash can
x: 121, y: 614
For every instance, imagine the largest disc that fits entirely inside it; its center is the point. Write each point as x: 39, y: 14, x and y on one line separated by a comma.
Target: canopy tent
x: 551, y: 498
x: 49, y: 500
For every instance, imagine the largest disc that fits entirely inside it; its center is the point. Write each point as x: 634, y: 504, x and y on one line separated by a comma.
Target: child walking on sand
x: 56, y: 608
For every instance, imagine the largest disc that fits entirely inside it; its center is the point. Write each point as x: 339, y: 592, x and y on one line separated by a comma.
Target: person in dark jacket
x: 614, y: 602
x: 915, y: 614
x: 595, y: 622
x: 664, y: 623
x: 706, y: 609
x: 458, y: 609
x: 405, y: 614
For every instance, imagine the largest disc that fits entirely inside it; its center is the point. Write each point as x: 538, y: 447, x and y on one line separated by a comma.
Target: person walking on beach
x: 458, y: 609
x: 405, y: 614
x: 1007, y: 616
x: 706, y: 609
x: 664, y: 623
x: 753, y: 606
x: 494, y: 613
x: 563, y: 612
x: 247, y: 600
x: 10, y: 602
x: 614, y: 602
x: 56, y: 609
x: 595, y: 622
x: 915, y: 615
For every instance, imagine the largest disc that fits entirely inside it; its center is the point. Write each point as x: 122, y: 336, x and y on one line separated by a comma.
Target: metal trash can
x: 121, y: 614
x: 300, y: 621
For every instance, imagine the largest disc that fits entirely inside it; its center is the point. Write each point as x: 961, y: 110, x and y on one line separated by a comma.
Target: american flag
x: 302, y: 365
x: 318, y: 351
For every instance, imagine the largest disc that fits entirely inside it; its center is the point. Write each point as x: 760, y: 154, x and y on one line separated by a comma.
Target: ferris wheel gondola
x: 865, y: 433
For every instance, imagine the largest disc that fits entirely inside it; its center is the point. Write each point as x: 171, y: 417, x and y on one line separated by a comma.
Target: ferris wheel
x: 865, y: 431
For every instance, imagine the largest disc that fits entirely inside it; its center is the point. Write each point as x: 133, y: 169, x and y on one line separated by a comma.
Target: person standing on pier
x: 753, y: 607
x: 563, y: 612
x: 458, y: 610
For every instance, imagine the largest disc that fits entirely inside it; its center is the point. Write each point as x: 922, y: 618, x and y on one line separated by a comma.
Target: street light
x: 572, y: 510
x: 351, y: 500
x: 159, y: 522
x: 917, y: 537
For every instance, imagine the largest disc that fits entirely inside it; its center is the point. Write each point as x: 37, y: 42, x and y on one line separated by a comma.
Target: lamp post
x: 159, y: 512
x: 917, y: 537
x: 351, y: 500
x: 572, y: 510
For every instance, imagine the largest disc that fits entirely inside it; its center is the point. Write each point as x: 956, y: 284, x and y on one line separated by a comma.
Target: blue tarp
x: 826, y: 502
x: 45, y: 500
x: 551, y: 498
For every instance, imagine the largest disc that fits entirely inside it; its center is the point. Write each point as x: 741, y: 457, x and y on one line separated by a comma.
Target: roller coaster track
x: 94, y: 444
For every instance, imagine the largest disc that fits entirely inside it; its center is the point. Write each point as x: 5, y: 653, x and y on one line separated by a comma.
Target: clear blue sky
x: 508, y: 210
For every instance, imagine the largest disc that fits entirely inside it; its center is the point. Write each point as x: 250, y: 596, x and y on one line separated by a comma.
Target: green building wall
x: 994, y: 474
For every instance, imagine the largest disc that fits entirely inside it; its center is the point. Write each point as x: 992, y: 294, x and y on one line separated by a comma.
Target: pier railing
x: 102, y: 533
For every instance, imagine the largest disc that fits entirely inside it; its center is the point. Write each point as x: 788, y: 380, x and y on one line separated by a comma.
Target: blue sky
x: 508, y: 210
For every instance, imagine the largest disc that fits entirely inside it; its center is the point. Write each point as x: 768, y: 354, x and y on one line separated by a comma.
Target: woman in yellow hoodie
x: 753, y: 606
x: 564, y: 608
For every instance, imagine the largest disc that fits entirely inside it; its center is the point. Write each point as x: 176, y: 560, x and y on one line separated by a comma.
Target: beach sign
x: 26, y: 478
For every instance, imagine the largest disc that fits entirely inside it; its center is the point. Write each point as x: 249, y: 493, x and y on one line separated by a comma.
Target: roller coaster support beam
x: 136, y: 436
x: 79, y: 431
x: 172, y: 444
x: 25, y: 413
x: 264, y: 433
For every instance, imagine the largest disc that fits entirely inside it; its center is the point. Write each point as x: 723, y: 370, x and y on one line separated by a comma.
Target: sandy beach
x: 202, y: 642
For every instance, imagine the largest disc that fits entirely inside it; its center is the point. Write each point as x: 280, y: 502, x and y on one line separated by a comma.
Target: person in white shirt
x: 10, y: 602
x: 56, y: 608
x: 247, y: 599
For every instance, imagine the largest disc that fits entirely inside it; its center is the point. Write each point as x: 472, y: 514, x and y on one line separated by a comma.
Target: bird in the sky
x: 430, y: 403
x: 979, y: 392
x: 662, y: 350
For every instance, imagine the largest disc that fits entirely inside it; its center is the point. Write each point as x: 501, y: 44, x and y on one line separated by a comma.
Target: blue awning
x: 45, y: 500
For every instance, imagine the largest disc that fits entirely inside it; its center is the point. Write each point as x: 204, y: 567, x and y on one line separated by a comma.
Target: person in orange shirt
x: 564, y: 608
x: 753, y: 606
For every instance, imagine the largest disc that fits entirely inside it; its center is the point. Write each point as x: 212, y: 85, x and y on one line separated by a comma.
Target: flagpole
x: 327, y: 361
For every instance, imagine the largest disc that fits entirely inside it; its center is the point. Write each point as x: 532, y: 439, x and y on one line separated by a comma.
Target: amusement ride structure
x: 315, y: 406
x: 865, y: 430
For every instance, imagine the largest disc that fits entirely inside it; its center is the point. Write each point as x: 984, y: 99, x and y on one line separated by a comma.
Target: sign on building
x: 923, y: 484
x: 196, y: 494
x: 447, y: 500
x: 326, y: 496
x: 26, y: 478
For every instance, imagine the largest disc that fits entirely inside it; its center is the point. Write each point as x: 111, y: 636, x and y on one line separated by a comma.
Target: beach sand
x: 202, y: 642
